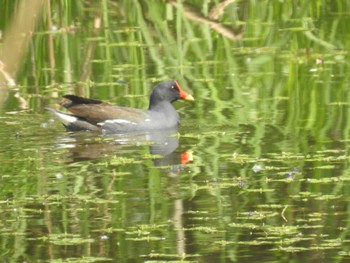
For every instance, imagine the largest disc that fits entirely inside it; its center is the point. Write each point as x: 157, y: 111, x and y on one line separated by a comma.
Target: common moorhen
x: 95, y: 115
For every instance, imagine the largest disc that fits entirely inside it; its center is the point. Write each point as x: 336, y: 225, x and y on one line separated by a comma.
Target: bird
x: 95, y: 115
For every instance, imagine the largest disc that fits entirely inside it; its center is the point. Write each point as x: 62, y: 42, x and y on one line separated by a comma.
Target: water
x: 257, y: 170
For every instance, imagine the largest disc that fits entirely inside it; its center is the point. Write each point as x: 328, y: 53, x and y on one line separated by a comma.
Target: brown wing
x: 96, y: 113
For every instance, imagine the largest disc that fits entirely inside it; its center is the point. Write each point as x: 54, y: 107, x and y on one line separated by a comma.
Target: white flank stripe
x: 66, y: 119
x: 117, y: 121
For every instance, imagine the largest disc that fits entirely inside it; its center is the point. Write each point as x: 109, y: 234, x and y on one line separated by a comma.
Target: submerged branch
x: 6, y: 75
x: 16, y: 38
x: 194, y: 15
x: 15, y: 43
x: 219, y: 9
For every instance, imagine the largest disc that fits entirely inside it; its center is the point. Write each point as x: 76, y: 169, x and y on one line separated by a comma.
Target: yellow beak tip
x: 189, y: 98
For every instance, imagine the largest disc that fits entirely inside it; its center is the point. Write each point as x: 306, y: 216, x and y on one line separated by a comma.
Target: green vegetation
x: 267, y: 176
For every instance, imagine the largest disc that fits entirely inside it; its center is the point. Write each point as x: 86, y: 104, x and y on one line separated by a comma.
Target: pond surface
x: 258, y: 170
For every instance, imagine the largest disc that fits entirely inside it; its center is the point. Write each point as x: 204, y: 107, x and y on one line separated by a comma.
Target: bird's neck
x: 161, y: 106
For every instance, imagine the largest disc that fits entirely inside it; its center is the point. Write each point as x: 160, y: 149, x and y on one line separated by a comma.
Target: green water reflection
x: 257, y: 171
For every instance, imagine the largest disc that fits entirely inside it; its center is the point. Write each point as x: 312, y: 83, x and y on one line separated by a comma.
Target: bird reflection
x: 85, y: 146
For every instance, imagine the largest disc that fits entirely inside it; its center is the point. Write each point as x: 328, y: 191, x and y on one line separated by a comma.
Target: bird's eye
x: 173, y: 87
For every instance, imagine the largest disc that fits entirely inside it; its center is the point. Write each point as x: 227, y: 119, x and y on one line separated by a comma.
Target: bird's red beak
x: 183, y: 94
